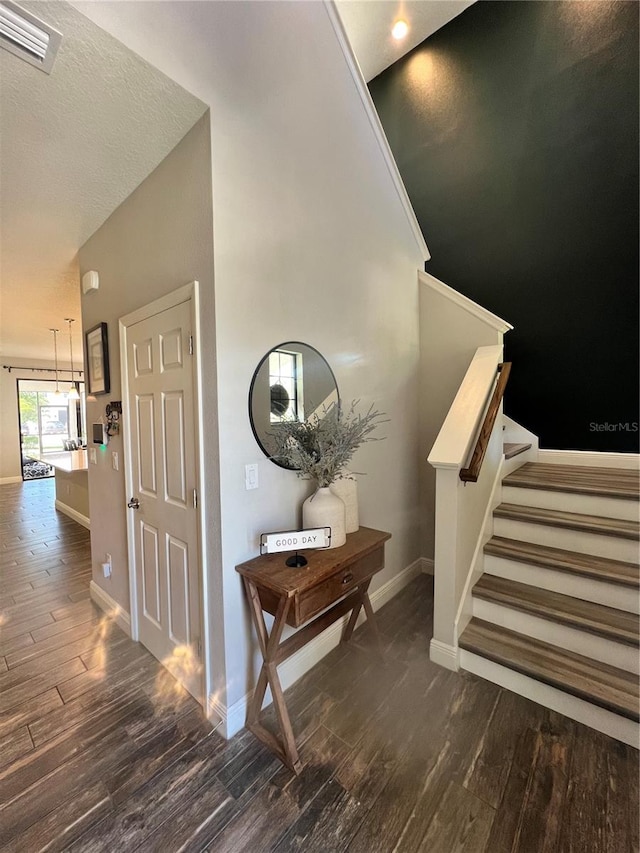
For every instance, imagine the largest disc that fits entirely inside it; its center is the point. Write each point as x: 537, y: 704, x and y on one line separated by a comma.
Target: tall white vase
x: 324, y: 509
x: 346, y: 488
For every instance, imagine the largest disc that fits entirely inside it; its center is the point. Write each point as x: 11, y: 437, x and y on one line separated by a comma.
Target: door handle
x: 134, y: 503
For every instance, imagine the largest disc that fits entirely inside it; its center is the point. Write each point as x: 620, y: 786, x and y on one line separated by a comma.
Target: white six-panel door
x: 163, y: 464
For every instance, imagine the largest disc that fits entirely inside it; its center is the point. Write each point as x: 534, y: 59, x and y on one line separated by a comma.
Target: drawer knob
x: 347, y: 578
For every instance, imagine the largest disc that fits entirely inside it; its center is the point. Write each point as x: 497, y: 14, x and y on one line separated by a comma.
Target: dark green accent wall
x: 515, y: 128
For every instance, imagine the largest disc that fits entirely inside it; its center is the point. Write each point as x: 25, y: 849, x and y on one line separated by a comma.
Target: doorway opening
x: 162, y: 427
x: 48, y: 422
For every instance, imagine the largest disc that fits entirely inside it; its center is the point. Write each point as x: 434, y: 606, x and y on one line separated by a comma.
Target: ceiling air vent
x: 24, y: 35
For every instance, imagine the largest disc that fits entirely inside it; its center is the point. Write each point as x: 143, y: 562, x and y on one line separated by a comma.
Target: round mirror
x: 292, y: 382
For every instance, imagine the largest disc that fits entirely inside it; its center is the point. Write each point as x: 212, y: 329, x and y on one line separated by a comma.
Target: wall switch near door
x: 106, y: 566
x: 114, y: 460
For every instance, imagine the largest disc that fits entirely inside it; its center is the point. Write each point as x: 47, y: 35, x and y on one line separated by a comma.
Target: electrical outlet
x: 106, y: 566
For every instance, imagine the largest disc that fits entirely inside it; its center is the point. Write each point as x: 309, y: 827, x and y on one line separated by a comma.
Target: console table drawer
x: 312, y: 601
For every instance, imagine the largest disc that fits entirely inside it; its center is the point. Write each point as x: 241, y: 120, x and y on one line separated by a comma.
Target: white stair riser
x: 587, y: 589
x: 596, y: 544
x: 565, y: 637
x: 510, y: 465
x: 566, y: 502
x: 597, y: 718
x: 629, y: 461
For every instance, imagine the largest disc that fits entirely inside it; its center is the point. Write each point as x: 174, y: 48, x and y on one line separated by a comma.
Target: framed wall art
x: 97, y: 344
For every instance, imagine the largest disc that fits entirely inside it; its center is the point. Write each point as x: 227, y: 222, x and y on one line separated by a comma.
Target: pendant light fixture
x: 55, y: 355
x: 73, y: 393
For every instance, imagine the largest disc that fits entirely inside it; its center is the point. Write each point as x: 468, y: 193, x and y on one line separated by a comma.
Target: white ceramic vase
x: 324, y: 509
x: 346, y: 488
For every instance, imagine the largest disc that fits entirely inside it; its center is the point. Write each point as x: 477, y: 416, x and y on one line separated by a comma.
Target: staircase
x: 555, y: 614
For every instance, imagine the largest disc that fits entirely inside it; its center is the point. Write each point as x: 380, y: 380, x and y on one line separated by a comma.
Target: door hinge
x: 195, y: 499
x: 190, y: 344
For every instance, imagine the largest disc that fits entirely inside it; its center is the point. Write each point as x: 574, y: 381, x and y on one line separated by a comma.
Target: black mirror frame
x: 252, y: 385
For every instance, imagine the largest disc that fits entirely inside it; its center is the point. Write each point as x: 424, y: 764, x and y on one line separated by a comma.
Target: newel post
x: 443, y: 648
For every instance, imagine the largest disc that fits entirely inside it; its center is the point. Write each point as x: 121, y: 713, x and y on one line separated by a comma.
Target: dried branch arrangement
x: 321, y: 447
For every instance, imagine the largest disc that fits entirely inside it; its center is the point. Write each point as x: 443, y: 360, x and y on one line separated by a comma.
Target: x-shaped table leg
x: 269, y: 643
x: 364, y: 601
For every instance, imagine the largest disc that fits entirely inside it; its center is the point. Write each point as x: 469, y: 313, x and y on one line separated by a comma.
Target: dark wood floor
x: 99, y: 750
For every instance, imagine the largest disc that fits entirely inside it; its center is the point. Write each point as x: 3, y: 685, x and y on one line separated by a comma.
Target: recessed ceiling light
x: 400, y: 29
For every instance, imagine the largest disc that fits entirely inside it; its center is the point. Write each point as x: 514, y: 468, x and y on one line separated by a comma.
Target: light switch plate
x: 251, y: 476
x: 93, y: 458
x: 114, y: 460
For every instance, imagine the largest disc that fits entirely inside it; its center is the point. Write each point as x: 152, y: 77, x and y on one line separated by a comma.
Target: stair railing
x: 472, y: 472
x: 471, y: 431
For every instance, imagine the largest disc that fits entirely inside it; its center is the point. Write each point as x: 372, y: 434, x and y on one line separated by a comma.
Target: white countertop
x: 66, y: 460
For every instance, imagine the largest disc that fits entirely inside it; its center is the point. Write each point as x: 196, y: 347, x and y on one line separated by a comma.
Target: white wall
x: 159, y: 239
x: 452, y: 327
x: 72, y: 490
x: 10, y: 467
x: 312, y: 243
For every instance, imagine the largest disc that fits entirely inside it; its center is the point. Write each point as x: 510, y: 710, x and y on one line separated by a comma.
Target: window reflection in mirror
x: 285, y: 386
x: 292, y: 381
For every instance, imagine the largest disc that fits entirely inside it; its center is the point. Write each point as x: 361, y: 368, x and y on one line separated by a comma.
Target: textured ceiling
x: 76, y: 143
x: 73, y: 145
x: 368, y: 24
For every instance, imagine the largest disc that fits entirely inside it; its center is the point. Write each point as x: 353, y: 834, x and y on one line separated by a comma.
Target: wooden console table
x: 338, y: 579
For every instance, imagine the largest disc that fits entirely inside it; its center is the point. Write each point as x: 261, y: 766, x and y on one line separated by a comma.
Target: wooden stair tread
x: 577, y: 479
x: 511, y: 449
x: 599, y: 568
x: 621, y: 527
x: 608, y: 622
x: 598, y: 683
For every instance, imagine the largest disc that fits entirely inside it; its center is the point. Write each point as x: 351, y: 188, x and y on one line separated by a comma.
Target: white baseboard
x: 444, y: 655
x: 217, y: 715
x: 393, y: 586
x: 233, y: 718
x: 74, y: 514
x: 584, y: 457
x: 110, y: 607
x: 4, y: 481
x: 427, y: 565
